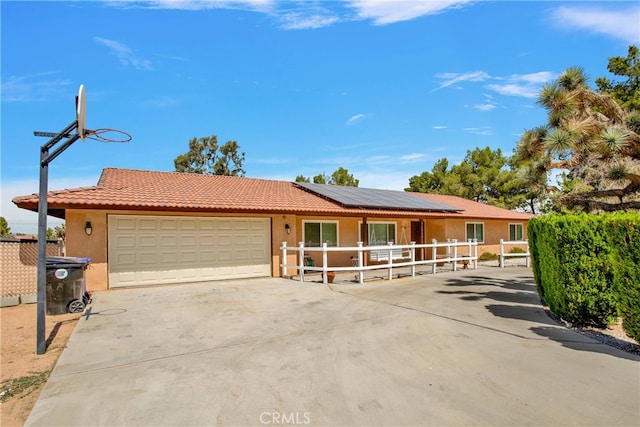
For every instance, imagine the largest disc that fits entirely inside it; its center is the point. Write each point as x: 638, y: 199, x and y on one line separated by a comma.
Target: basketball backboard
x: 81, y: 112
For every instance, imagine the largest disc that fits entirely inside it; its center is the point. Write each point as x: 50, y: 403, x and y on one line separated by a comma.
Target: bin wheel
x: 75, y: 306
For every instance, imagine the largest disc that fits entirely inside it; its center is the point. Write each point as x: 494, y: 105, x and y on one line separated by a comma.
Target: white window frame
x: 310, y: 221
x: 395, y: 230
x: 475, y: 233
x: 521, y: 231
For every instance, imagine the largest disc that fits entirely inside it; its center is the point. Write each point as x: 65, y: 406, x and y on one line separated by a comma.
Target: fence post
x: 360, y: 264
x: 434, y: 255
x: 501, y: 253
x: 528, y: 257
x: 455, y: 254
x: 301, y: 261
x: 61, y: 246
x: 390, y: 270
x: 412, y: 258
x: 284, y: 259
x: 324, y: 263
x: 475, y: 254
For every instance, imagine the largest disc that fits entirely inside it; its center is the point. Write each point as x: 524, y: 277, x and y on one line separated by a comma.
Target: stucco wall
x: 494, y: 230
x: 95, y: 246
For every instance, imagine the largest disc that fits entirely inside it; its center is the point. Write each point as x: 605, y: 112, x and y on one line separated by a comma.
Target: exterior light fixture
x: 287, y: 228
x: 88, y: 228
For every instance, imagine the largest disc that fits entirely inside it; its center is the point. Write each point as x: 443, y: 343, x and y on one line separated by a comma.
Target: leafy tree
x: 206, y: 157
x: 321, y: 178
x: 589, y: 138
x: 430, y: 182
x: 340, y: 176
x: 5, y: 230
x: 626, y: 93
x: 57, y: 233
x: 482, y: 176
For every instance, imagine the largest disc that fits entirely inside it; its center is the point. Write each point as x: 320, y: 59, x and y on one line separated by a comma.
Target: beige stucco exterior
x: 494, y: 230
x: 95, y: 246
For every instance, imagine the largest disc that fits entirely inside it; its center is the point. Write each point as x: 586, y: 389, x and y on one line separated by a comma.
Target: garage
x: 153, y: 250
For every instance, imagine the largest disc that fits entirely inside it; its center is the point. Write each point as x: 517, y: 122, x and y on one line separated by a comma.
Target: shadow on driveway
x: 523, y: 303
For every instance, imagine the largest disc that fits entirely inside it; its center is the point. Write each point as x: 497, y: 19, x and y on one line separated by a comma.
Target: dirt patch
x: 24, y: 373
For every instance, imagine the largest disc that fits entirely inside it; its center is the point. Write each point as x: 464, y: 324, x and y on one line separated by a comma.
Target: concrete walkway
x: 471, y: 347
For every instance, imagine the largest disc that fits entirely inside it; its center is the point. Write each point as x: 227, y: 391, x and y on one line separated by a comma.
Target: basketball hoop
x: 59, y: 142
x: 81, y: 127
x: 97, y: 135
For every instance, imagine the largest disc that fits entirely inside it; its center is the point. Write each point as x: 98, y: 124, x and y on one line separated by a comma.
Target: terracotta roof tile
x: 151, y: 190
x: 474, y: 209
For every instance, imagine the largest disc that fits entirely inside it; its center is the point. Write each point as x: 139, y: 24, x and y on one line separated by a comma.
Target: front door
x: 417, y: 235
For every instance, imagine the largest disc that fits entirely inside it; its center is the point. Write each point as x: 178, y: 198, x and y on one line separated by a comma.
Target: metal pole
x: 42, y: 252
x: 45, y: 158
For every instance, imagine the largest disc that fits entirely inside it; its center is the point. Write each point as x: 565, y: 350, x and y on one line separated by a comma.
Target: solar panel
x: 372, y: 198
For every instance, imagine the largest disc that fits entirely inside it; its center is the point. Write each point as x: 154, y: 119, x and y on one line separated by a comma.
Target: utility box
x: 66, y: 285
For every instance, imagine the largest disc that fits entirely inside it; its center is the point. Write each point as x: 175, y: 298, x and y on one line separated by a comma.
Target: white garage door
x: 151, y: 250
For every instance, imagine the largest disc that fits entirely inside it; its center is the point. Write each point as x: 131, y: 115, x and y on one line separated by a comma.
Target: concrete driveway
x: 472, y: 347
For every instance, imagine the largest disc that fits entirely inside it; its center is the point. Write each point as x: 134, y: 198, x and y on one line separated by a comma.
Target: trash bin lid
x: 57, y: 260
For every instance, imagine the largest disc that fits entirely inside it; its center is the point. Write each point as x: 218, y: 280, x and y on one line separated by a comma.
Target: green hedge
x: 586, y: 267
x: 623, y: 231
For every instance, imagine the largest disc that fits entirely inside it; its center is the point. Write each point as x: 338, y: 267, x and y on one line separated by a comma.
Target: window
x: 515, y: 232
x: 475, y: 230
x: 381, y: 233
x: 317, y: 233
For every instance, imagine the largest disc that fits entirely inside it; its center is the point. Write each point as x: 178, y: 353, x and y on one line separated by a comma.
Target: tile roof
x: 474, y: 209
x: 120, y: 189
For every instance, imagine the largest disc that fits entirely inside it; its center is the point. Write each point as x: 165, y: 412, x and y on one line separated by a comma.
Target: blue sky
x: 382, y: 88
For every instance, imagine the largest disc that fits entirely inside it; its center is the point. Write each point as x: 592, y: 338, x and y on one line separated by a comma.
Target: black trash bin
x: 66, y: 290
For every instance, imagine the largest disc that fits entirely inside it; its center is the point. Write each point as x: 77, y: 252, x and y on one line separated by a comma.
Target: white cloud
x: 533, y: 78
x: 621, y: 24
x: 525, y: 91
x: 412, y: 158
x: 454, y: 78
x: 125, y: 54
x: 482, y: 131
x: 524, y: 85
x: 296, y: 15
x: 485, y: 107
x: 34, y: 88
x: 488, y: 105
x: 354, y: 119
x: 257, y: 5
x: 384, y: 12
x: 440, y: 127
x: 301, y: 21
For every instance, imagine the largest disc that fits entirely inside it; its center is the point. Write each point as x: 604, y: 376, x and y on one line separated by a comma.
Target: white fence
x: 504, y: 254
x: 385, y: 256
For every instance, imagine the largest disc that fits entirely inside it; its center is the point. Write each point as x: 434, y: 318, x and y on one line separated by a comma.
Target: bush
x: 623, y: 232
x: 572, y: 268
x: 586, y: 267
x: 487, y: 256
x: 517, y: 250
